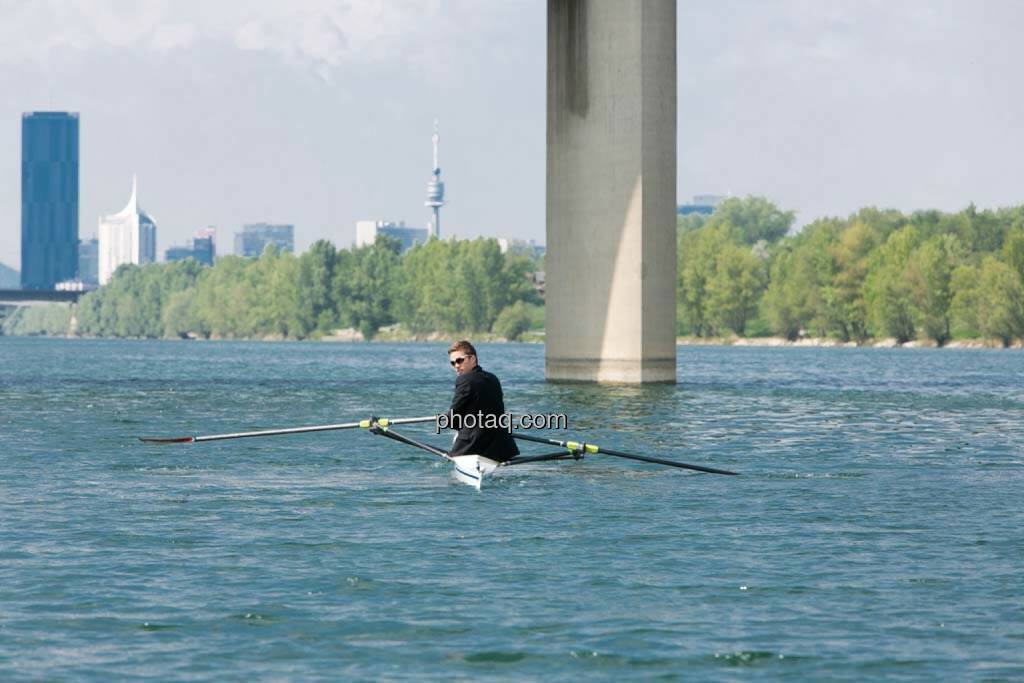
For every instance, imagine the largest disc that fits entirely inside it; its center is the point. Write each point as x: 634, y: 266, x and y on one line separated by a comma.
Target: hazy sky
x: 319, y: 113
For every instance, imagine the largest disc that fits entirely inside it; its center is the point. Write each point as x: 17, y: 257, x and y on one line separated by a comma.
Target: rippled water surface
x: 877, y: 530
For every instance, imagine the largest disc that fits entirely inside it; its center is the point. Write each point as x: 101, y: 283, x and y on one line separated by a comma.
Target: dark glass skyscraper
x: 49, y: 198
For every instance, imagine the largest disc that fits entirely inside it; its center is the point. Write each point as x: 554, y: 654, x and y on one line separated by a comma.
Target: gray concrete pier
x: 611, y: 191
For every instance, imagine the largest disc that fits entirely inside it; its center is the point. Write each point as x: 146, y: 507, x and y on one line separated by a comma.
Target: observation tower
x: 435, y: 189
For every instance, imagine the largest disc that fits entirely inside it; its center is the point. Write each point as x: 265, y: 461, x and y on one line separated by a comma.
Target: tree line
x: 928, y: 275
x: 443, y: 286
x: 742, y: 270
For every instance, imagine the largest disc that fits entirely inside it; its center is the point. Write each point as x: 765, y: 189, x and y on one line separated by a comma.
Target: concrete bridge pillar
x: 611, y: 191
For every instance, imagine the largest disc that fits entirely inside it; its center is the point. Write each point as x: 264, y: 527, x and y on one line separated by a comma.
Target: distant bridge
x: 13, y: 299
x: 26, y: 297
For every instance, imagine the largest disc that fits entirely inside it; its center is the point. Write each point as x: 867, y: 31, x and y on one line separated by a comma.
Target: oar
x: 362, y: 424
x: 579, y: 447
x: 385, y: 431
x: 523, y: 459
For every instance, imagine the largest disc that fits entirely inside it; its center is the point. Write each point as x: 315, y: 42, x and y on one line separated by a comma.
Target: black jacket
x: 478, y: 391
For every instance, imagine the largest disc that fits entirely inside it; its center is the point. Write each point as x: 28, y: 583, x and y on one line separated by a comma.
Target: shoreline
x: 352, y: 337
x: 824, y: 342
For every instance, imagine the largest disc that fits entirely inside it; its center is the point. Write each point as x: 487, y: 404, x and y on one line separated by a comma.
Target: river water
x: 876, y: 531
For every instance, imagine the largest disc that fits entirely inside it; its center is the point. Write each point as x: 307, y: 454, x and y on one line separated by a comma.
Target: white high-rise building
x: 368, y: 231
x: 128, y: 236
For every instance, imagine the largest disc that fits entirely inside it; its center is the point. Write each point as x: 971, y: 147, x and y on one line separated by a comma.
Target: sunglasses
x: 458, y: 361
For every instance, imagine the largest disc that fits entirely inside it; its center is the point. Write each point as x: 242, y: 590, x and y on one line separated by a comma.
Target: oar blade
x: 178, y: 439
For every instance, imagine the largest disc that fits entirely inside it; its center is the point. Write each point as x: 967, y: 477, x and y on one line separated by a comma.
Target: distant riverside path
x: 875, y: 532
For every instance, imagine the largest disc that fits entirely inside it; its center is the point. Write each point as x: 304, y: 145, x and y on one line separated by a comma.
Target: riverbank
x: 398, y: 333
x: 58, y: 326
x: 825, y: 342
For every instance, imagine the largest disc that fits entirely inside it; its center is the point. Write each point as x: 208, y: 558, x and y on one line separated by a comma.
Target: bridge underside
x: 36, y: 296
x: 611, y: 187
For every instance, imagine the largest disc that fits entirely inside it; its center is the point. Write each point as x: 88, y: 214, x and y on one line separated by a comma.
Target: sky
x: 320, y: 113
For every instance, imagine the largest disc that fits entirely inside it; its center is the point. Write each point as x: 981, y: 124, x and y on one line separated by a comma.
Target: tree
x: 276, y: 311
x: 792, y: 293
x: 179, y: 314
x: 734, y: 288
x: 888, y: 286
x: 846, y: 309
x: 226, y: 298
x: 752, y: 219
x: 930, y: 274
x: 317, y: 312
x: 371, y: 287
x: 1013, y: 250
x: 513, y: 321
x: 131, y: 304
x: 1000, y: 302
x: 698, y: 255
x: 429, y: 298
x: 964, y: 305
x: 460, y: 286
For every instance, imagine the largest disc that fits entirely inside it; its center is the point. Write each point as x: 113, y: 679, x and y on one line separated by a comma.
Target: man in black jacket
x: 477, y: 399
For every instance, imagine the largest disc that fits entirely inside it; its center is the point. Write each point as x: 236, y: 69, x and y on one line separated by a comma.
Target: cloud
x: 174, y: 36
x: 320, y: 34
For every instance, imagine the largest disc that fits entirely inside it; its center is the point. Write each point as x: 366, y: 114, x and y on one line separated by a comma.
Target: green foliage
x: 844, y: 301
x: 370, y: 286
x: 930, y: 272
x: 317, y: 312
x: 537, y: 316
x: 513, y: 321
x: 1000, y: 301
x: 888, y: 287
x: 451, y: 286
x: 879, y: 273
x: 752, y: 219
x: 461, y: 286
x: 131, y: 305
x: 788, y: 307
x: 734, y: 288
x: 1013, y: 250
x: 690, y: 222
x: 720, y: 281
x: 697, y: 253
x: 44, y: 319
x: 800, y: 278
x: 964, y: 304
x: 179, y: 315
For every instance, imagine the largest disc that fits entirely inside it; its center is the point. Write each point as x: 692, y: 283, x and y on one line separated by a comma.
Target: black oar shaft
x: 389, y: 433
x: 523, y: 459
x: 581, y: 447
x: 670, y: 463
x: 538, y: 439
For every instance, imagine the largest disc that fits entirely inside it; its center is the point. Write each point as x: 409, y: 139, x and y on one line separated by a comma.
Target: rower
x: 478, y: 409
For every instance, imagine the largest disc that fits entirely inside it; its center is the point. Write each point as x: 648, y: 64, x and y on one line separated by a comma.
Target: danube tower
x: 435, y: 189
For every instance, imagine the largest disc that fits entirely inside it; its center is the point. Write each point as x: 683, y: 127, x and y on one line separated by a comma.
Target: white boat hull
x: 471, y: 469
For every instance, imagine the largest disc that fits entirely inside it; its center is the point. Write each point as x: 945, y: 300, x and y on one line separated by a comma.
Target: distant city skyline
x: 253, y: 238
x: 203, y: 248
x: 318, y: 115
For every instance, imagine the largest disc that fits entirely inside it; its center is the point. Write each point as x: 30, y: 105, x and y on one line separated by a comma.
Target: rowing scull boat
x: 468, y: 469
